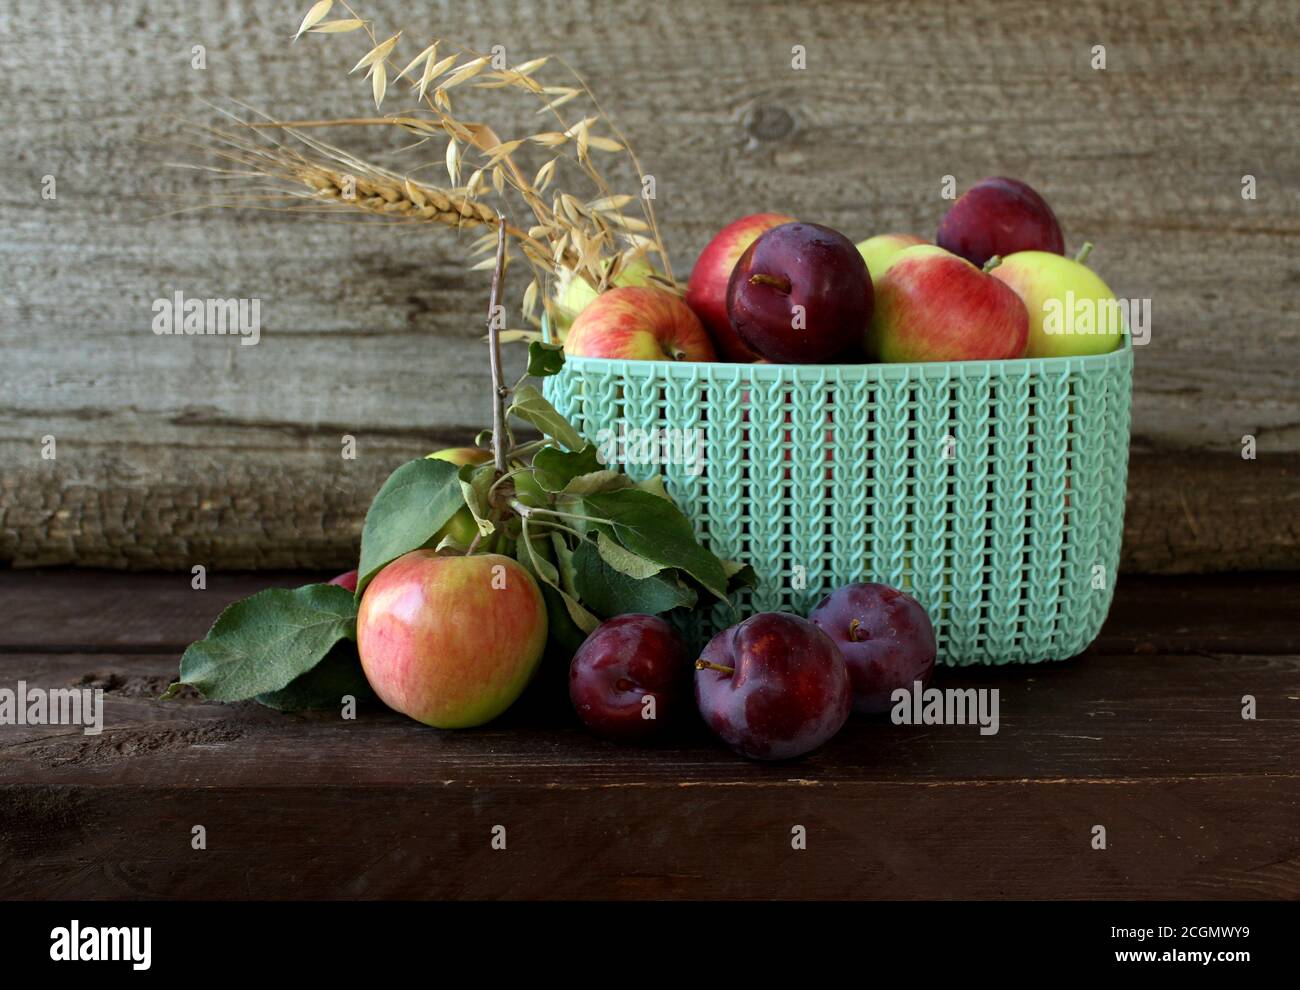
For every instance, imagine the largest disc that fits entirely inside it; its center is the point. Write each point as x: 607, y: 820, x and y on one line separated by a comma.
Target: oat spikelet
x: 592, y: 236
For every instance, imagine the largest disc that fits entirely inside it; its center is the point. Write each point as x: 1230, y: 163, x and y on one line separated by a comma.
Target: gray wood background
x: 177, y: 451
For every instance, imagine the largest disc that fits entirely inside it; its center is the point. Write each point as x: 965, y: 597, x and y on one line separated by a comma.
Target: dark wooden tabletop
x: 1143, y: 735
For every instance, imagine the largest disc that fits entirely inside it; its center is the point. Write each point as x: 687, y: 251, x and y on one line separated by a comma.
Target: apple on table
x: 451, y: 641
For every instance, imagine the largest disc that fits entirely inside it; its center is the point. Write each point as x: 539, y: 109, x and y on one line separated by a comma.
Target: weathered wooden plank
x: 175, y: 451
x: 77, y: 611
x: 301, y: 506
x: 1098, y: 718
x: 1201, y: 838
x: 1196, y: 802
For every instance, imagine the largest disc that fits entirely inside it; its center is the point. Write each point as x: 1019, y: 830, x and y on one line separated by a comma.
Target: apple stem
x: 1084, y: 251
x: 706, y: 665
x: 853, y: 630
x: 992, y: 263
x: 775, y: 281
x: 499, y: 390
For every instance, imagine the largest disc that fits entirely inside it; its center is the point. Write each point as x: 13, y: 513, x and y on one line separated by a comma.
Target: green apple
x: 1071, y: 310
x: 461, y: 527
x: 573, y: 294
x: 879, y: 251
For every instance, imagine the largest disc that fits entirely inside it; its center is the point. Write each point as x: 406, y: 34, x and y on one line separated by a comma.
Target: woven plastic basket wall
x: 992, y: 491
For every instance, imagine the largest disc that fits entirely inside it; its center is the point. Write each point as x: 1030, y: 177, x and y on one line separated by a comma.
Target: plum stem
x: 1084, y: 251
x: 781, y: 285
x: 706, y: 665
x: 992, y: 263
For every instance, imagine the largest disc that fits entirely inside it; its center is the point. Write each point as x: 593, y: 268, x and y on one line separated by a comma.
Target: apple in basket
x: 706, y: 292
x: 934, y: 306
x: 574, y: 293
x: 638, y: 323
x: 880, y: 251
x: 1071, y: 310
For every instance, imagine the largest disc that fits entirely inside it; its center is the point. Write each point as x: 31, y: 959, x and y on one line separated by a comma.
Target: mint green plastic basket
x: 993, y: 491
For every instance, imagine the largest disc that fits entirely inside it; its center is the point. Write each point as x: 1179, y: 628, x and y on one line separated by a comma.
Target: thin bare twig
x: 499, y: 391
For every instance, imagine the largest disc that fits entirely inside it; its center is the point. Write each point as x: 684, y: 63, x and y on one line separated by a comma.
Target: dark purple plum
x: 773, y: 687
x: 801, y: 294
x: 625, y: 660
x: 886, y: 637
x: 999, y: 216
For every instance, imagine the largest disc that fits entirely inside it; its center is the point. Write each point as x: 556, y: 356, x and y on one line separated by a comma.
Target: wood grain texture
x: 180, y: 451
x: 1143, y: 735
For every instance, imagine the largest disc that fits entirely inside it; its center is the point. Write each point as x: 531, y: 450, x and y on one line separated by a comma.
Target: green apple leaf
x: 655, y: 486
x: 531, y: 406
x: 265, y: 642
x: 555, y: 468
x: 325, y: 685
x: 564, y: 564
x: 739, y: 575
x: 413, y: 504
x: 545, y: 359
x: 610, y: 592
x: 537, y: 560
x: 528, y: 491
x: 624, y: 560
x: 598, y: 481
x: 656, y: 529
x: 533, y: 557
x: 564, y: 635
x: 475, y: 481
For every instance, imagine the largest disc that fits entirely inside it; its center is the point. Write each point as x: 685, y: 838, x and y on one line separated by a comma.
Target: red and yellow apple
x: 451, y: 641
x: 880, y: 251
x: 1071, y: 310
x: 348, y: 579
x: 461, y: 527
x: 638, y: 323
x: 933, y: 306
x: 574, y: 293
x: 706, y: 292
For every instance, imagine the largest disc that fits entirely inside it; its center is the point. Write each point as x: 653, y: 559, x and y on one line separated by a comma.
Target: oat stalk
x: 593, y: 238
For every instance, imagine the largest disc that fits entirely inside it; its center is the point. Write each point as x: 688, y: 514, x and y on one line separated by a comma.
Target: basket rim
x: 1120, y: 357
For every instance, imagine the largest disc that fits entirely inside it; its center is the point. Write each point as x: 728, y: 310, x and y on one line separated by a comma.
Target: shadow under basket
x: 991, y: 491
